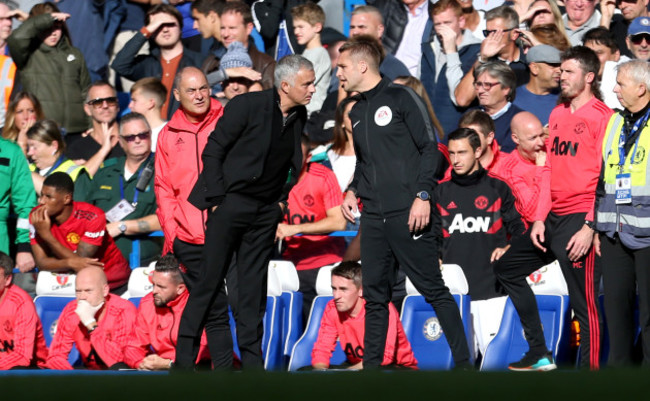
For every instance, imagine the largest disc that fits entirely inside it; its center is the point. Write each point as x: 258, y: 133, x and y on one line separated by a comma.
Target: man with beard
x: 153, y: 344
x: 576, y: 129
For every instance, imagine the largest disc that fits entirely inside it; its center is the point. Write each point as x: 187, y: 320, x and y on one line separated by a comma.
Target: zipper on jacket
x: 198, y: 173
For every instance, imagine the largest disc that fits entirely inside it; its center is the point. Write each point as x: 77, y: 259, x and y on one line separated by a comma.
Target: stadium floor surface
x: 334, y: 386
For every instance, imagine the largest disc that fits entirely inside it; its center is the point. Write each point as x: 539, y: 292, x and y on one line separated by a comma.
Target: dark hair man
x: 397, y: 209
x: 576, y: 129
x: 153, y: 344
x: 164, y: 24
x: 245, y: 185
x: 478, y: 216
x: 68, y: 235
x: 21, y: 334
x: 344, y: 320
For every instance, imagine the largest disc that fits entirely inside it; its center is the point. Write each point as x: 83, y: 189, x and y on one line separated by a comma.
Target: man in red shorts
x: 576, y: 129
x: 97, y: 322
x: 344, y: 319
x: 67, y: 235
x: 22, y: 344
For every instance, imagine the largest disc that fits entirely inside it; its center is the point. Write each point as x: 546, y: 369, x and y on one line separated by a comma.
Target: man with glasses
x: 499, y: 44
x: 99, y: 143
x: 494, y: 83
x: 123, y: 189
x: 638, y: 38
x: 163, y: 23
x: 581, y: 16
x: 618, y: 24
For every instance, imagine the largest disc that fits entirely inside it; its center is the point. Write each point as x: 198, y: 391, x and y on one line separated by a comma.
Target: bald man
x: 97, y: 322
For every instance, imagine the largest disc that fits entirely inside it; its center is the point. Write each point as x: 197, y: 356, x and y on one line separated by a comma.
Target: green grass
x: 354, y: 386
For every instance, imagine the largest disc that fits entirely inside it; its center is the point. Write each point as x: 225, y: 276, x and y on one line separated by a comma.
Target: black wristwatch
x: 590, y: 224
x: 423, y: 195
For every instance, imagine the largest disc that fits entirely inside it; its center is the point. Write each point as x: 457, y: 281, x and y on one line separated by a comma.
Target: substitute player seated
x: 344, y: 320
x: 22, y: 344
x: 97, y: 322
x: 153, y: 345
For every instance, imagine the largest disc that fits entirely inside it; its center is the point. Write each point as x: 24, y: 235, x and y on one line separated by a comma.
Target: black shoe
x: 534, y: 363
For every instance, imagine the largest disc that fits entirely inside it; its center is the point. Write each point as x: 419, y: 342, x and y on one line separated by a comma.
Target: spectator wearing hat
x: 236, y: 56
x: 539, y: 95
x: 638, y: 38
x: 618, y: 24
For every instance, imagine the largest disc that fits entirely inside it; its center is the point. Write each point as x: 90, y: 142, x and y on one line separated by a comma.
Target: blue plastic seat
x: 49, y: 308
x: 301, y: 354
x: 509, y: 345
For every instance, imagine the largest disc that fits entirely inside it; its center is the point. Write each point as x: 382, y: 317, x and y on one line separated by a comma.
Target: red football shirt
x: 87, y: 223
x: 21, y: 333
x: 315, y: 193
x: 574, y: 152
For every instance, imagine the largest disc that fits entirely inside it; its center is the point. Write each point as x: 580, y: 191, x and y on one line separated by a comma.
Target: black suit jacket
x: 236, y: 150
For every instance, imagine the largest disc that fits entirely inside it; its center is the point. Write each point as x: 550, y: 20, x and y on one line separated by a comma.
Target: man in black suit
x: 249, y: 165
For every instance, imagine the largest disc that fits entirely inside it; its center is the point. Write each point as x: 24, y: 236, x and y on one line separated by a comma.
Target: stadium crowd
x: 499, y: 136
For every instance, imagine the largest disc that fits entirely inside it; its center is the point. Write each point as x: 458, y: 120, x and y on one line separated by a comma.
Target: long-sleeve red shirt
x: 102, y: 348
x: 350, y: 330
x: 530, y: 184
x: 575, y: 155
x: 21, y: 333
x: 156, y: 329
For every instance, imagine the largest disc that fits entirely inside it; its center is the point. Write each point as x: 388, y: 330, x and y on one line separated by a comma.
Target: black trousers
x: 582, y: 277
x: 624, y: 271
x: 383, y: 241
x: 245, y: 227
x: 217, y: 327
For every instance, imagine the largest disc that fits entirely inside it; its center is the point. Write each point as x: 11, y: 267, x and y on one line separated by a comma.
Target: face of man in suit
x: 300, y: 91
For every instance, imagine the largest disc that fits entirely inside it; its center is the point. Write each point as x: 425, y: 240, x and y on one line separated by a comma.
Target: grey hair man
x: 254, y: 148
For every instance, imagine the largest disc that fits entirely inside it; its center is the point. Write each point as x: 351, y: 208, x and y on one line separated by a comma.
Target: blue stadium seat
x: 301, y: 354
x: 422, y: 327
x: 423, y: 331
x: 283, y: 276
x: 509, y: 345
x: 349, y: 6
x: 49, y: 309
x: 272, y: 338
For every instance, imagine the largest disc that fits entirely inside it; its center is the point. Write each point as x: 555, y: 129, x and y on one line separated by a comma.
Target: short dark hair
x: 588, y: 61
x: 169, y: 264
x: 505, y: 12
x: 366, y: 46
x: 60, y: 181
x: 6, y: 263
x: 206, y: 6
x: 133, y: 116
x: 462, y: 133
x: 350, y: 270
x: 166, y: 9
x: 601, y: 36
x: 480, y: 118
x: 238, y: 7
x: 98, y: 84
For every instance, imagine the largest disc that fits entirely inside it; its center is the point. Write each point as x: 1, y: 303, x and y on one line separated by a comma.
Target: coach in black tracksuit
x: 397, y: 158
x: 253, y: 149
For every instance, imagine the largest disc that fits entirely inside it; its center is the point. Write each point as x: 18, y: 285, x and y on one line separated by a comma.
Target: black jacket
x: 475, y: 213
x: 395, y: 20
x: 235, y: 154
x: 396, y: 149
x: 132, y: 66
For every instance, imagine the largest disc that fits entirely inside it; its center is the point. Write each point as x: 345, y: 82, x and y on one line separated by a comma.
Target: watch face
x: 423, y: 195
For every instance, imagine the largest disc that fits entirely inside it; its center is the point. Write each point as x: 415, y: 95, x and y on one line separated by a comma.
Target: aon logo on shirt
x: 469, y: 225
